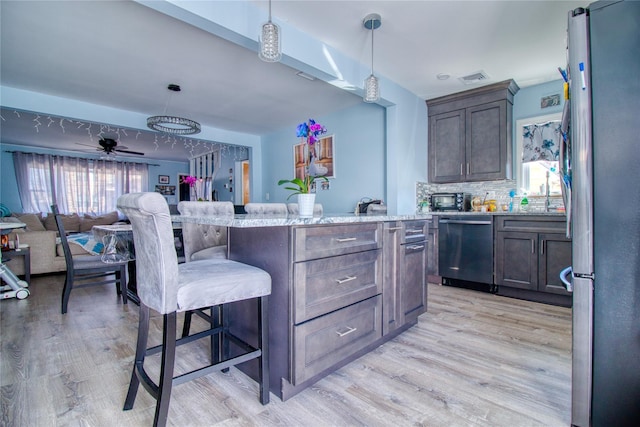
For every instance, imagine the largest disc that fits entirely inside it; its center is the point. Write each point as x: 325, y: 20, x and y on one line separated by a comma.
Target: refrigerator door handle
x: 565, y: 278
x: 564, y: 161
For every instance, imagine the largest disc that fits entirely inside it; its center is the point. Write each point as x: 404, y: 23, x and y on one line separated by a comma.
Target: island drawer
x: 328, y: 284
x: 329, y: 339
x: 331, y: 240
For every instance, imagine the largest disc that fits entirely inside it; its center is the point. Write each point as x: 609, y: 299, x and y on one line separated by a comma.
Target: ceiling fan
x: 110, y: 146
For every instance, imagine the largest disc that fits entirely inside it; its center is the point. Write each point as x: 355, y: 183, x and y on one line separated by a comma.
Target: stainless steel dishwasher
x: 466, y: 250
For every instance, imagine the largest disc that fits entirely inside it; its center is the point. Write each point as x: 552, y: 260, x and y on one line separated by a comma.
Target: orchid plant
x: 191, y: 180
x: 307, y: 132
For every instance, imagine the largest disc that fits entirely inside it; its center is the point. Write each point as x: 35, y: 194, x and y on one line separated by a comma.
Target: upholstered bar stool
x: 169, y: 288
x: 292, y: 208
x: 266, y: 208
x: 203, y: 241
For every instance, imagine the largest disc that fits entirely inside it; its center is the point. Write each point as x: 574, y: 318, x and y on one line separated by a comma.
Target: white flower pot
x: 305, y: 205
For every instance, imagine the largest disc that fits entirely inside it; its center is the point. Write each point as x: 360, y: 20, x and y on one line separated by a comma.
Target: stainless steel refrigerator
x: 602, y: 171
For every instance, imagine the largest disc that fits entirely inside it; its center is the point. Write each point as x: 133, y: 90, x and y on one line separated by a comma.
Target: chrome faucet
x: 547, y: 203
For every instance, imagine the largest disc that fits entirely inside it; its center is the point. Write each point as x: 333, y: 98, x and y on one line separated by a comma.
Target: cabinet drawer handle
x: 346, y: 239
x: 542, y: 247
x: 349, y: 329
x: 468, y: 168
x: 415, y: 247
x: 346, y: 279
x: 415, y: 231
x: 394, y: 228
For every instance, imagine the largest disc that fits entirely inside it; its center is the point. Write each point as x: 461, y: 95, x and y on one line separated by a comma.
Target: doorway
x: 242, y: 195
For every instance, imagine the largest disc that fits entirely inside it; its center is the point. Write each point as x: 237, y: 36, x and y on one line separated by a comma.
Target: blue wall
x: 8, y: 186
x: 359, y: 158
x: 526, y: 103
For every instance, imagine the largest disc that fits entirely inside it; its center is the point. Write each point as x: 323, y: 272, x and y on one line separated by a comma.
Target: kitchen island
x: 341, y: 286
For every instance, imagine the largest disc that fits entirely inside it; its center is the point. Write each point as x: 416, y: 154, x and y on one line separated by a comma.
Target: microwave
x: 460, y: 202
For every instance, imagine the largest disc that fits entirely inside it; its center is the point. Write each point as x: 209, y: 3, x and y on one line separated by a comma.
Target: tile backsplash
x: 498, y: 190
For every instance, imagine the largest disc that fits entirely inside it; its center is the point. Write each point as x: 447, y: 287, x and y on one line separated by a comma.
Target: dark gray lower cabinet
x: 404, y: 271
x: 334, y: 286
x: 528, y: 261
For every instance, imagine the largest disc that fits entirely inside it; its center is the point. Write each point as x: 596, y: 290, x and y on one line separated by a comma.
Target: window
x: 531, y: 176
x: 75, y: 184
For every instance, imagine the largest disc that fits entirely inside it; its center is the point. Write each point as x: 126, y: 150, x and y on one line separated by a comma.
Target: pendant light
x: 371, y: 85
x: 173, y: 124
x: 270, y: 50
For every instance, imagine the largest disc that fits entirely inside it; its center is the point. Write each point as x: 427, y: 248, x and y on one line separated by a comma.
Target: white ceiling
x: 122, y: 54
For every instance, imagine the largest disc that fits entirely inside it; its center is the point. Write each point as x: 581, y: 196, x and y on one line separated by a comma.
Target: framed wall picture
x: 163, y: 179
x: 321, y: 158
x: 166, y: 190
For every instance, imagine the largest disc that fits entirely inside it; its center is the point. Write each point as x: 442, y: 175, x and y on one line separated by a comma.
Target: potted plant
x: 303, y: 186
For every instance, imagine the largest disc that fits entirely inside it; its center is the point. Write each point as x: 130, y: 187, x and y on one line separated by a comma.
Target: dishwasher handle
x: 465, y: 221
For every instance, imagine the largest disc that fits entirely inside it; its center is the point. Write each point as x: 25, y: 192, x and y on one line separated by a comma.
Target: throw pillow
x: 89, y: 221
x: 33, y: 221
x: 71, y: 223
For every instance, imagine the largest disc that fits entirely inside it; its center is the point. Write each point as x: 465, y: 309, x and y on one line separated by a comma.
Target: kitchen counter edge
x: 243, y: 221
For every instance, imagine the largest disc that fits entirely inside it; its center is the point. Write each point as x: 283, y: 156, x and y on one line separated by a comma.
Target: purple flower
x: 191, y: 180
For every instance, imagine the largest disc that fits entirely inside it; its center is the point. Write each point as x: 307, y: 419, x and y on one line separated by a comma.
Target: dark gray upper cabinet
x: 470, y: 134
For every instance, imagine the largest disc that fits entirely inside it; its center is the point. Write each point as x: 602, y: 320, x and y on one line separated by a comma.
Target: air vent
x: 477, y: 77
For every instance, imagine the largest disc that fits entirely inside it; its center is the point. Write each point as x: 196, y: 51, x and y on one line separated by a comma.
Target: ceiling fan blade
x: 129, y: 152
x: 88, y: 145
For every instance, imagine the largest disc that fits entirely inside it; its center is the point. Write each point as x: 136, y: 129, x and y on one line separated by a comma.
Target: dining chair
x: 292, y: 208
x: 83, y: 270
x: 266, y: 208
x: 170, y: 288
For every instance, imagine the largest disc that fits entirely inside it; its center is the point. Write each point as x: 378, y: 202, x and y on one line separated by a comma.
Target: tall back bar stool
x: 203, y: 241
x: 292, y: 208
x: 266, y: 208
x: 169, y: 288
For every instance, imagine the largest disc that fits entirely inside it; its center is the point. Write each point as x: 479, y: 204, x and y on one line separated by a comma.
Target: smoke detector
x: 473, y: 78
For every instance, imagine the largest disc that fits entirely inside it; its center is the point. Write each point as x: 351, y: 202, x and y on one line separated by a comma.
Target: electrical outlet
x: 266, y: 196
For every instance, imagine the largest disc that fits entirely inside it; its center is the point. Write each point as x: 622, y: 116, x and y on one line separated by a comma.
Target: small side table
x: 23, y: 252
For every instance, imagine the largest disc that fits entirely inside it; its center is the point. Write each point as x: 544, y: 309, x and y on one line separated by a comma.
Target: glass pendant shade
x: 371, y: 89
x: 270, y: 50
x: 371, y: 84
x: 270, y: 43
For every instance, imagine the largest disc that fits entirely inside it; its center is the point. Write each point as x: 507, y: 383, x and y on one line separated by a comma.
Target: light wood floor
x: 474, y: 359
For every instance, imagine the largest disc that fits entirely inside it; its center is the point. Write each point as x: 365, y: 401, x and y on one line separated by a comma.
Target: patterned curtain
x: 541, y: 141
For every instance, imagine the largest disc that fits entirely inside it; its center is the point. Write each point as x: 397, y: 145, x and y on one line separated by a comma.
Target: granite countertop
x: 242, y: 221
x: 519, y: 213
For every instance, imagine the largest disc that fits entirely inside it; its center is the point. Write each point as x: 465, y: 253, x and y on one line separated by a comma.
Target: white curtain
x: 75, y: 184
